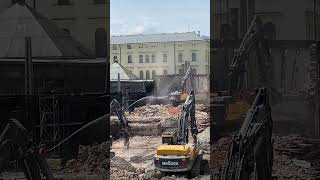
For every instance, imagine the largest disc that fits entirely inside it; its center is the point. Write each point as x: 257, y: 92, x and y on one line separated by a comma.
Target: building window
x: 67, y: 31
x: 165, y: 72
x: 129, y: 46
x: 141, y: 74
x: 114, y: 47
x: 154, y: 74
x: 63, y: 2
x: 165, y: 57
x: 194, y: 56
x: 129, y: 59
x: 147, y: 74
x: 99, y: 1
x: 180, y: 71
x: 153, y: 58
x: 115, y: 59
x: 194, y: 71
x: 269, y: 30
x: 140, y: 58
x: 147, y: 58
x: 180, y: 57
x: 100, y: 43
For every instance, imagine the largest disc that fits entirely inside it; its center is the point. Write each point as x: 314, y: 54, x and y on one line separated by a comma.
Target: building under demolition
x: 49, y: 81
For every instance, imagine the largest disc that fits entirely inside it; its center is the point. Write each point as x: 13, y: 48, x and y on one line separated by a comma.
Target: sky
x: 159, y: 16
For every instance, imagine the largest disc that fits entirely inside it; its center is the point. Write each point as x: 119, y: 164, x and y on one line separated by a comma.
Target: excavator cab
x: 169, y: 137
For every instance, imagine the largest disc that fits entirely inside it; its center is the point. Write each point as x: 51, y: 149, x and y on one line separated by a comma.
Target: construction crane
x: 178, y: 97
x: 116, y: 107
x: 17, y: 145
x: 250, y: 153
x: 230, y: 107
x: 176, y: 154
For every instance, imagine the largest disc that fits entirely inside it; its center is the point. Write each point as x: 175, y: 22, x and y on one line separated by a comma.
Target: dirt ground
x: 136, y: 162
x: 296, y: 156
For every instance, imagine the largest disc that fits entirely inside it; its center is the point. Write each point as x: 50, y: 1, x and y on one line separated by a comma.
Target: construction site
x: 264, y: 95
x: 68, y: 114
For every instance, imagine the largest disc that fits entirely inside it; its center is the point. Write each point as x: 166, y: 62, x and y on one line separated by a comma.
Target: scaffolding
x: 49, y: 128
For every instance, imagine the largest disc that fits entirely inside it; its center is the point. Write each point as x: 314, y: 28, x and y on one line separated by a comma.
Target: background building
x: 159, y: 54
x: 85, y: 20
x: 285, y: 20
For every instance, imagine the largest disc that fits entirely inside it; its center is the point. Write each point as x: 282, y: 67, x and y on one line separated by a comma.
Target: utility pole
x: 174, y: 57
x: 28, y: 80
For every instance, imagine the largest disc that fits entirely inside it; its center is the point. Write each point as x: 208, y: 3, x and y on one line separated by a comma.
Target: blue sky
x: 159, y: 16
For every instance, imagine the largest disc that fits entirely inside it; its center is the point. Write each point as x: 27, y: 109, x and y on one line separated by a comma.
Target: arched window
x: 115, y: 59
x: 165, y: 72
x: 100, y: 43
x: 194, y: 56
x: 153, y: 58
x: 153, y: 74
x: 165, y: 57
x: 147, y: 58
x: 140, y: 58
x: 180, y: 57
x: 141, y: 74
x: 147, y: 74
x: 269, y: 30
x: 129, y: 59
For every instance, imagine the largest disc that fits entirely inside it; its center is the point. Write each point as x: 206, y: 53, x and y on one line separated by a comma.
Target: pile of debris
x: 294, y: 157
x: 218, y: 153
x: 91, y: 160
x: 163, y: 113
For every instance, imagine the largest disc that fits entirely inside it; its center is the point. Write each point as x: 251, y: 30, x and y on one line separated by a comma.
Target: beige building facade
x: 85, y: 20
x: 161, y: 54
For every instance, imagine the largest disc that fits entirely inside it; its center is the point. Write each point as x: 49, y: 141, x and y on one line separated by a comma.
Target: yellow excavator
x: 178, y: 97
x: 177, y: 154
x: 230, y: 107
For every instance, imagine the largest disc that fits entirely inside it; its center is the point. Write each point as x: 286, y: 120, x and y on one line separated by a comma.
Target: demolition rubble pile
x: 163, y: 113
x: 294, y: 157
x: 218, y: 153
x: 91, y: 160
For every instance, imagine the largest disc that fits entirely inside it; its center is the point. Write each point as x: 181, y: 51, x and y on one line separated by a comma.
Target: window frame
x: 164, y: 57
x: 147, y: 74
x: 194, y: 56
x: 153, y: 74
x: 140, y: 58
x: 153, y: 58
x: 180, y: 57
x: 130, y: 59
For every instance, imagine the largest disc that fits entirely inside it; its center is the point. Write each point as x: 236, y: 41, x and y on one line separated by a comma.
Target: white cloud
x: 141, y: 25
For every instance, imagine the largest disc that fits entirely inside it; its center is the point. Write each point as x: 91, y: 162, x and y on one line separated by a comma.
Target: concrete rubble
x: 166, y: 115
x: 294, y: 157
x: 146, y: 124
